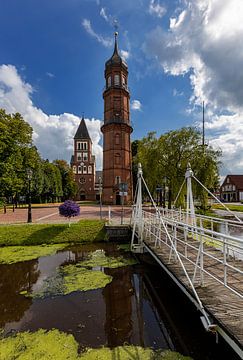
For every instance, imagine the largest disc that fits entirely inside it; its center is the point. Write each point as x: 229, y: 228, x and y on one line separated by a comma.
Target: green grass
x: 230, y: 207
x: 38, y: 234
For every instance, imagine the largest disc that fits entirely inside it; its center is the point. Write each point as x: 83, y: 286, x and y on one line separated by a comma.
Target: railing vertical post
x: 109, y: 215
x: 225, y: 261
x: 201, y: 260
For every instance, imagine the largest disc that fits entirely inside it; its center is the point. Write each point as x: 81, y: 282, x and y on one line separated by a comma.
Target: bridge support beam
x: 137, y: 245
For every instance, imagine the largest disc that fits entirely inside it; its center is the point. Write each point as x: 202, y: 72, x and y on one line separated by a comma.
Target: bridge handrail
x: 151, y: 226
x: 191, y: 226
x: 215, y: 219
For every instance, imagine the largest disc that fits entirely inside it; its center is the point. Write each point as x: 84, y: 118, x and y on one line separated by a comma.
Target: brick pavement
x: 51, y: 214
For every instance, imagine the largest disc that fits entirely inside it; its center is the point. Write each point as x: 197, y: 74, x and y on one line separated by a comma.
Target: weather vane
x: 115, y: 24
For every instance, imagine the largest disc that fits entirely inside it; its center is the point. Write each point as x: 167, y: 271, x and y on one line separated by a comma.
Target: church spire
x: 116, y: 45
x: 116, y: 58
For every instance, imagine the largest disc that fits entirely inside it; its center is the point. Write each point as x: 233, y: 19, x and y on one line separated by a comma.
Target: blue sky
x: 179, y: 53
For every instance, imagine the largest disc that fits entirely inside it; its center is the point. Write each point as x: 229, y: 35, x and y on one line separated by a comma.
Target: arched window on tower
x: 109, y: 81
x: 117, y: 159
x: 117, y: 139
x: 89, y: 169
x: 117, y: 80
x: 124, y: 82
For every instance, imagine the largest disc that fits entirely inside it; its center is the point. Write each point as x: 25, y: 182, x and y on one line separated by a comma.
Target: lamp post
x: 100, y: 193
x: 29, y: 177
x: 164, y: 190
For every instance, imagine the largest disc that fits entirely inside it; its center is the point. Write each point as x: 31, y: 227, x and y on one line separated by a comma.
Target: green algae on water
x: 129, y: 352
x: 98, y: 258
x: 68, y: 279
x: 14, y: 254
x: 80, y: 279
x: 56, y: 345
x: 124, y: 247
x: 40, y: 345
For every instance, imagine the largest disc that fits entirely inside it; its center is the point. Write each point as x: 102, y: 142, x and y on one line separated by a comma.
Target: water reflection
x: 14, y: 279
x: 138, y: 307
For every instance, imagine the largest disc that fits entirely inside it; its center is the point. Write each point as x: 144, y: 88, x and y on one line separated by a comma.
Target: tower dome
x: 116, y: 59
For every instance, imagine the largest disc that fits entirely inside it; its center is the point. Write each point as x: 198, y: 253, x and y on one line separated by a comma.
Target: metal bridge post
x: 138, y: 216
x: 190, y: 210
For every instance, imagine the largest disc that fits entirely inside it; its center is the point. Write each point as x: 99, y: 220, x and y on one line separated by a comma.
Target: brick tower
x: 83, y: 163
x: 117, y: 158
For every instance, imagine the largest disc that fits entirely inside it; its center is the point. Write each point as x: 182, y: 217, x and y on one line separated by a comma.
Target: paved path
x: 51, y: 214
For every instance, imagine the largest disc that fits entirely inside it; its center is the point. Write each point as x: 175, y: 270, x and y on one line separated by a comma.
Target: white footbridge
x: 203, y: 255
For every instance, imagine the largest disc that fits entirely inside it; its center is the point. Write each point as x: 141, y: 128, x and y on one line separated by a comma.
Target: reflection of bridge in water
x: 201, y: 257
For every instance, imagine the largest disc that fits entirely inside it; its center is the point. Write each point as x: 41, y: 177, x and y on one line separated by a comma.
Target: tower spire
x: 116, y: 45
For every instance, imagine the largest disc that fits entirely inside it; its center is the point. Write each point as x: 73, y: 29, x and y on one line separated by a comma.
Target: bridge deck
x: 224, y: 306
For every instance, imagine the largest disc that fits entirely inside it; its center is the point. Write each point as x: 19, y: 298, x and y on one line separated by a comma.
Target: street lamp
x: 100, y: 193
x: 164, y: 190
x: 29, y: 177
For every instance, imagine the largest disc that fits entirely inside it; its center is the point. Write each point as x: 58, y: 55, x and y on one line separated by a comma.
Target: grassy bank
x: 230, y: 207
x: 38, y: 234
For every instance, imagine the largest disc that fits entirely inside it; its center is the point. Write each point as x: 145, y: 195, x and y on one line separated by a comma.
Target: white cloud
x: 176, y: 92
x: 204, y: 40
x: 107, y: 42
x: 50, y: 75
x: 125, y: 54
x: 53, y: 134
x: 104, y: 15
x: 156, y: 9
x: 136, y: 105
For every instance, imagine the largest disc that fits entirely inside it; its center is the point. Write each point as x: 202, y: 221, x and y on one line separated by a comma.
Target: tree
x: 69, y: 209
x: 165, y: 160
x: 68, y: 184
x: 15, y: 140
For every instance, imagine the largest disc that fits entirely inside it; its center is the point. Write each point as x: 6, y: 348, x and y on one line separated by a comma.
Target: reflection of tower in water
x: 118, y: 298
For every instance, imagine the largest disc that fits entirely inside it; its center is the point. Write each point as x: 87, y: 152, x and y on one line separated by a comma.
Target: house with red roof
x: 232, y: 188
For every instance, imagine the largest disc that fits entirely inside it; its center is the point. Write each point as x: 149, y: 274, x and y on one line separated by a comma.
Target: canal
x: 139, y: 306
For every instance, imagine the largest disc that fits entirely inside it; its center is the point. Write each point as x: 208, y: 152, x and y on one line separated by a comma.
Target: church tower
x: 83, y: 163
x: 117, y: 158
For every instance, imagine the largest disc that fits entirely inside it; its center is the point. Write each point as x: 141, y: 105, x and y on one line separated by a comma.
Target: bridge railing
x: 204, y: 252
x: 226, y: 226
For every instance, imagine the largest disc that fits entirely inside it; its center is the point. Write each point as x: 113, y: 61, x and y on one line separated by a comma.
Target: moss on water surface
x: 79, y: 276
x: 56, y: 345
x: 40, y: 345
x: 98, y: 258
x: 81, y: 279
x: 14, y: 254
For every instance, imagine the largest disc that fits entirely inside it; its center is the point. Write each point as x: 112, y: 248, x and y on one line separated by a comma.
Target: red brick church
x: 116, y: 129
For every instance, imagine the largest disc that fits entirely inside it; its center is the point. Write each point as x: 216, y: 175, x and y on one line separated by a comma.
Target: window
x: 82, y: 180
x: 89, y: 169
x: 117, y: 80
x: 227, y: 180
x: 233, y: 187
x: 117, y: 159
x: 109, y: 81
x: 82, y: 145
x: 117, y: 179
x: 79, y: 170
x: 74, y: 169
x: 79, y: 156
x: 85, y: 156
x: 117, y: 139
x: 84, y: 169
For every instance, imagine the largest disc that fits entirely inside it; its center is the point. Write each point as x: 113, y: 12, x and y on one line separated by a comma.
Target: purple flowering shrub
x: 69, y: 208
